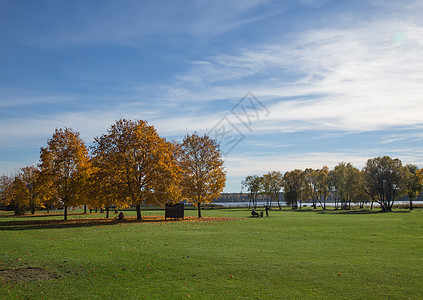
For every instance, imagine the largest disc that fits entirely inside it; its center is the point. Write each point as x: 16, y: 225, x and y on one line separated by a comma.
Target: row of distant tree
x: 128, y: 165
x: 383, y: 180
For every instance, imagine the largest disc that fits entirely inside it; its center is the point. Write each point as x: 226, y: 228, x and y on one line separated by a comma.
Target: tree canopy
x: 65, y: 163
x: 203, y: 172
x: 135, y: 165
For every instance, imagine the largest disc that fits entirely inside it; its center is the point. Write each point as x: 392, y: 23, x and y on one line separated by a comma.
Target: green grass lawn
x: 291, y: 254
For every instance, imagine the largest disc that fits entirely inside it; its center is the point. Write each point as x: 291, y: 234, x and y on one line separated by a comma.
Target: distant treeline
x: 382, y: 180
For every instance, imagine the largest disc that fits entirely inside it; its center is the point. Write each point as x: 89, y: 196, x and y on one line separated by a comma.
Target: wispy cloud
x: 129, y: 21
x: 11, y: 99
x: 369, y: 77
x: 239, y: 166
x: 244, y: 165
x: 351, y: 75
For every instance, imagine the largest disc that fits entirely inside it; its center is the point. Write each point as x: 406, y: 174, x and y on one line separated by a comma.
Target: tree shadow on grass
x: 361, y: 211
x: 353, y: 211
x: 91, y: 222
x: 40, y: 215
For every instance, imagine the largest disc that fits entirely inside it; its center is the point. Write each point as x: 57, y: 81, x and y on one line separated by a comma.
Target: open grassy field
x: 292, y: 254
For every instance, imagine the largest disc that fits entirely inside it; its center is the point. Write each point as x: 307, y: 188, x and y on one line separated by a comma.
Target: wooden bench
x: 256, y: 214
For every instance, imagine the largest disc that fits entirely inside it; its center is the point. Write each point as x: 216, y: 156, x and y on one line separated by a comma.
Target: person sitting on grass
x: 254, y: 213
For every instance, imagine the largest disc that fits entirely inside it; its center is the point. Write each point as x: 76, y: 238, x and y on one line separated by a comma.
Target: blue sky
x: 324, y: 81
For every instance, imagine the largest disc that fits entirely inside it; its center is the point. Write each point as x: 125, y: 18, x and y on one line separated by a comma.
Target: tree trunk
x: 411, y: 204
x: 85, y: 208
x: 199, y: 209
x: 32, y: 205
x: 138, y: 207
x: 66, y: 212
x: 107, y: 212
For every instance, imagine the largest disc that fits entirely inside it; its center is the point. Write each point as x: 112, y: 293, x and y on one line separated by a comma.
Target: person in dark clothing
x: 254, y: 213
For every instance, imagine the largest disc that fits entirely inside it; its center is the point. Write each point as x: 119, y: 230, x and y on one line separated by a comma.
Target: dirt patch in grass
x: 27, y: 274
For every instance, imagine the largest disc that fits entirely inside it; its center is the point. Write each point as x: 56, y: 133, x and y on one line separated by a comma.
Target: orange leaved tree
x: 135, y: 165
x: 31, y: 177
x: 65, y: 163
x: 5, y: 184
x: 203, y: 169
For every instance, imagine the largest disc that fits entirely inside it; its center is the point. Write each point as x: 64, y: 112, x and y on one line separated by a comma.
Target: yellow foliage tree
x: 65, y: 164
x: 105, y: 189
x: 203, y: 169
x: 136, y: 166
x: 419, y: 174
x: 31, y: 177
x: 22, y: 190
x: 18, y: 195
x: 47, y: 191
x: 5, y: 182
x: 273, y: 183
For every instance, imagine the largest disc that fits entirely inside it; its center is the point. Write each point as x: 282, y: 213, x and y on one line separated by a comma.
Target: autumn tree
x: 47, y: 192
x: 322, y: 185
x: 345, y: 183
x: 414, y: 184
x: 311, y: 181
x: 5, y: 183
x: 104, y: 189
x: 65, y: 164
x: 23, y: 191
x: 386, y: 180
x: 203, y: 171
x: 254, y: 186
x: 136, y: 166
x: 293, y: 185
x: 31, y: 177
x: 362, y: 196
x: 18, y: 195
x: 273, y: 183
x: 419, y: 174
x: 266, y: 188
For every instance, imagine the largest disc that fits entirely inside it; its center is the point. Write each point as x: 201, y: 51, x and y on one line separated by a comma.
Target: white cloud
x: 358, y: 79
x: 243, y: 165
x: 362, y: 76
x: 30, y: 130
